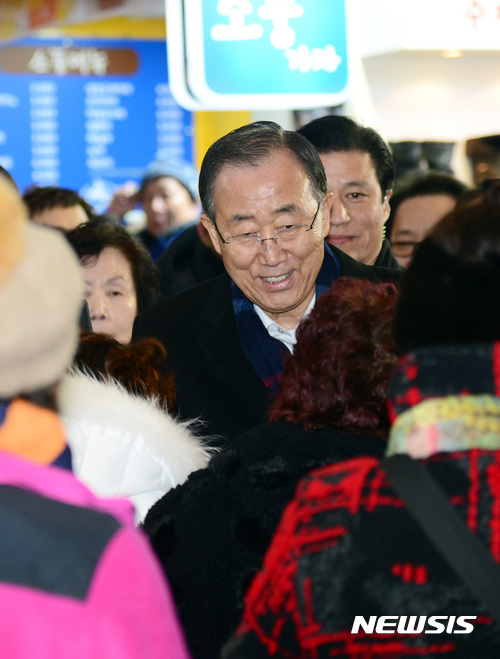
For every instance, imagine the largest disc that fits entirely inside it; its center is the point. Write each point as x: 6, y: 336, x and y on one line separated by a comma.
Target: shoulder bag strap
x: 450, y: 535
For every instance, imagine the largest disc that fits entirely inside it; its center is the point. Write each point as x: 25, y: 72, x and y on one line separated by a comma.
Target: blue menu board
x: 87, y: 115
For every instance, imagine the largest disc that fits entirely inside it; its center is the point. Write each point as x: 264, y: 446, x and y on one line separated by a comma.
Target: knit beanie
x: 182, y: 171
x: 41, y: 293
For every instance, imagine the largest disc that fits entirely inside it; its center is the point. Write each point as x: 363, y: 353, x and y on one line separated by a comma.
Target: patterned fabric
x: 447, y: 424
x: 266, y: 354
x: 347, y: 547
x: 456, y: 420
x: 437, y: 372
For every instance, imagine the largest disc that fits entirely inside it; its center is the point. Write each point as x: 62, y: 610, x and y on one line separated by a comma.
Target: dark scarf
x: 440, y: 371
x: 266, y: 354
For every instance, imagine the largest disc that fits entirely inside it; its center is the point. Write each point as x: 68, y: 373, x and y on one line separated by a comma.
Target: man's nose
x: 158, y: 204
x: 338, y: 212
x: 271, y: 252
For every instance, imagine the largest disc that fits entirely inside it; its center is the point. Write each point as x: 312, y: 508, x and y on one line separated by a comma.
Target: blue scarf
x: 266, y: 354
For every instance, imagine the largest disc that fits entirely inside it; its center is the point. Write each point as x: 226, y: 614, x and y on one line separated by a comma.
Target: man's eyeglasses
x: 250, y: 242
x: 404, y: 249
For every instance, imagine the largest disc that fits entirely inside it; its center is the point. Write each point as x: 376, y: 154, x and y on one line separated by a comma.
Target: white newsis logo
x: 413, y: 624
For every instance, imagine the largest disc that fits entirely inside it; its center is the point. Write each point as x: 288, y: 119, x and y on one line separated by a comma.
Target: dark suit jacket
x: 186, y: 263
x: 215, y: 382
x: 211, y: 532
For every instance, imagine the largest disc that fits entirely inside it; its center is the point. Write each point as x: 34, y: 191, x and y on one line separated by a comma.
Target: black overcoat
x: 215, y: 382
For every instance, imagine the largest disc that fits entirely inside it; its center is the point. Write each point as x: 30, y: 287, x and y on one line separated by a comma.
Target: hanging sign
x: 247, y: 54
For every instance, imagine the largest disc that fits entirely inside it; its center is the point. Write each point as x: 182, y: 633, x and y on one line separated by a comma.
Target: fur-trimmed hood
x: 124, y: 445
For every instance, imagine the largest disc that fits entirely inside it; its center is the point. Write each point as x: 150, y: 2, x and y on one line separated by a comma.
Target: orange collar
x: 32, y: 432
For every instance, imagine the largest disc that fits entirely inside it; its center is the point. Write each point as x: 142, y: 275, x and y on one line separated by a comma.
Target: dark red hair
x: 137, y: 366
x: 339, y: 372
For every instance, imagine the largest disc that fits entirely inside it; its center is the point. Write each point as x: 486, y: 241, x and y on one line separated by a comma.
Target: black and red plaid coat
x: 347, y: 547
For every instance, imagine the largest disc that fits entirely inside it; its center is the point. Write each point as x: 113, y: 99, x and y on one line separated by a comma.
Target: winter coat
x: 347, y: 546
x: 76, y: 578
x: 124, y: 445
x: 211, y: 533
x: 186, y: 263
x: 215, y: 381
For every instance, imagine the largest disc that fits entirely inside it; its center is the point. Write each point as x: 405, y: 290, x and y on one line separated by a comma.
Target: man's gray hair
x: 252, y: 145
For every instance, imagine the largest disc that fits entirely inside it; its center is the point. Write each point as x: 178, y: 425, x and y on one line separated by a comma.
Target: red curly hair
x: 138, y: 366
x: 339, y: 372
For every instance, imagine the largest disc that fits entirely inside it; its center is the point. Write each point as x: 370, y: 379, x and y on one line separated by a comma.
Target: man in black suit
x: 266, y: 208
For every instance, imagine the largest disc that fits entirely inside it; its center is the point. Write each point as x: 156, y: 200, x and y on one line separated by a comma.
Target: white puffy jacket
x: 124, y: 445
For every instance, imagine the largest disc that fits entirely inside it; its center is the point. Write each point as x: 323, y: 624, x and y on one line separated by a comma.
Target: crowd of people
x: 209, y: 427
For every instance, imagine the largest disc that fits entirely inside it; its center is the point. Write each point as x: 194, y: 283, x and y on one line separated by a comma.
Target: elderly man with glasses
x: 266, y: 207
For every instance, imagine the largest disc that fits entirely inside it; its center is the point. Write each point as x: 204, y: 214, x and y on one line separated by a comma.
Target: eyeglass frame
x: 274, y: 238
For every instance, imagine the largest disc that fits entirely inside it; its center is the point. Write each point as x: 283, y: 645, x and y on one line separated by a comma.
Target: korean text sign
x: 265, y: 53
x: 87, y: 115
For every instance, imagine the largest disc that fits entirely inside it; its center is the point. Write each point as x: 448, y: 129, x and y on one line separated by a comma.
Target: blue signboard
x: 262, y: 53
x: 87, y: 115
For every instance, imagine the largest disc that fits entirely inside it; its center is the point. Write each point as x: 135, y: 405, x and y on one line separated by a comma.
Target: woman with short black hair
x: 121, y: 279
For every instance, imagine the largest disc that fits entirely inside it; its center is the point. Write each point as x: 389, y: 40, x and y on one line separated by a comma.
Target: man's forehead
x: 350, y: 168
x: 239, y: 192
x: 354, y: 159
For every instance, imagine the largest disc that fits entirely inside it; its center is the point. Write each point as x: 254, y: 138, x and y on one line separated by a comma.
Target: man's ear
x: 386, y: 204
x: 325, y: 213
x: 212, y: 232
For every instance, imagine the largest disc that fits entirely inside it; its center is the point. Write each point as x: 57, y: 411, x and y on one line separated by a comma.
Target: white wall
x: 406, y: 89
x: 423, y: 96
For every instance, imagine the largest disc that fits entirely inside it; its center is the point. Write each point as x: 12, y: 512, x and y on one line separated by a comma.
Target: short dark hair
x: 424, y: 185
x: 39, y: 199
x: 339, y: 372
x: 450, y: 292
x: 89, y: 240
x: 334, y: 133
x: 251, y: 145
